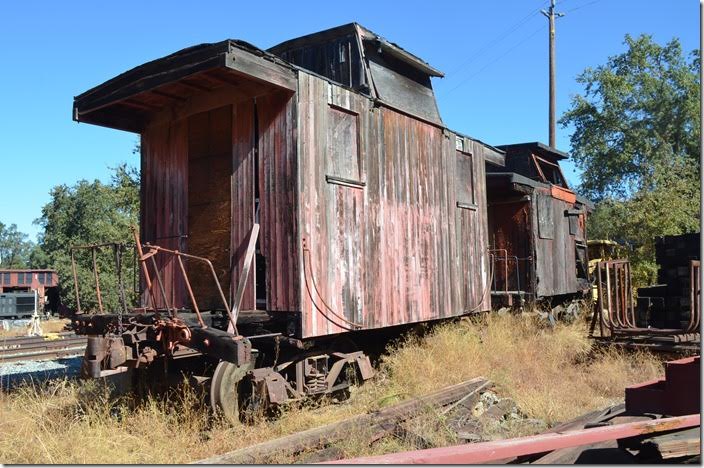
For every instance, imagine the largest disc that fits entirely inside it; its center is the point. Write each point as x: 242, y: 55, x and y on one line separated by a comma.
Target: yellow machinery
x: 602, y: 249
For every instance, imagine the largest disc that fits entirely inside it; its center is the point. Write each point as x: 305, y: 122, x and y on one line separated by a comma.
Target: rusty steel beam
x: 695, y: 281
x: 510, y: 448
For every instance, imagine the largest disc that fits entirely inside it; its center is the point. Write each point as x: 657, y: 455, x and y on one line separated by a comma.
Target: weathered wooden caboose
x: 371, y: 212
x: 537, y: 227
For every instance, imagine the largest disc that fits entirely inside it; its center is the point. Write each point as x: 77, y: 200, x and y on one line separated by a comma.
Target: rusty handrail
x: 94, y: 248
x: 615, y: 308
x: 504, y: 257
x: 694, y: 296
x: 151, y: 252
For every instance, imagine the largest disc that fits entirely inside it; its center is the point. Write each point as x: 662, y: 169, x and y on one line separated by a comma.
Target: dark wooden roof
x: 126, y: 101
x: 365, y: 35
x: 518, y: 179
x: 536, y: 147
x: 360, y: 59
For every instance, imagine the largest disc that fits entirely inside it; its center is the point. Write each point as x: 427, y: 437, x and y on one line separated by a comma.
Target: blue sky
x: 494, y: 54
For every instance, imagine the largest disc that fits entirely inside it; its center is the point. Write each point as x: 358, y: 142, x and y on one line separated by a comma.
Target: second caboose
x: 537, y: 228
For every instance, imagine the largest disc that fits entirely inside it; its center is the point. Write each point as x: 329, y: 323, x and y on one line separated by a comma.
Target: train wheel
x: 225, y: 390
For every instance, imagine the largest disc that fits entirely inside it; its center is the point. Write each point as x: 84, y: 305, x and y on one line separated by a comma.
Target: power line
x: 582, y: 6
x: 496, y: 59
x: 497, y: 40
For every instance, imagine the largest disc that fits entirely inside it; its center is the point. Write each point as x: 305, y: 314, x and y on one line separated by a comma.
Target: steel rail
x: 42, y: 355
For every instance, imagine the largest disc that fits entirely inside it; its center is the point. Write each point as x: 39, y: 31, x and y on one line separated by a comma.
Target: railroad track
x: 38, y: 348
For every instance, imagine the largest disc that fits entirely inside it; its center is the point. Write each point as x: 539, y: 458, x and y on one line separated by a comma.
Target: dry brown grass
x: 551, y: 374
x: 48, y: 326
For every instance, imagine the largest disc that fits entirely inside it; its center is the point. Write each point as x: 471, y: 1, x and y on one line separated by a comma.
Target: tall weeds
x: 551, y: 373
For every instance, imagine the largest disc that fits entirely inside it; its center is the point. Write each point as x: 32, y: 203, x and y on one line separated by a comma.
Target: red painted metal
x: 504, y: 449
x: 563, y: 194
x: 677, y: 394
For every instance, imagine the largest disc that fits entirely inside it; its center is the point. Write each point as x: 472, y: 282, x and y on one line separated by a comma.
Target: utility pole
x: 550, y: 15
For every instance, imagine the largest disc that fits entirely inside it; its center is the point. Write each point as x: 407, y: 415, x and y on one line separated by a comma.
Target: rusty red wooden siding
x: 164, y: 198
x: 243, y: 141
x: 384, y: 242
x: 277, y: 191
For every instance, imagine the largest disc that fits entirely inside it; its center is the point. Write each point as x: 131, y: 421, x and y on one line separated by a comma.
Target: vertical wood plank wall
x: 392, y: 247
x: 242, y: 195
x: 164, y: 198
x: 555, y: 264
x: 276, y: 114
x: 218, y: 184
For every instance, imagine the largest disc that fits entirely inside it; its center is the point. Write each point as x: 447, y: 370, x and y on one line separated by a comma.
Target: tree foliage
x: 90, y: 213
x: 639, y: 111
x: 15, y: 247
x: 636, y: 137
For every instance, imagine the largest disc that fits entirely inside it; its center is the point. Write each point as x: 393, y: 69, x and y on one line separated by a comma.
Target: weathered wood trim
x: 201, y: 102
x: 494, y: 157
x: 177, y: 66
x: 359, y: 184
x: 84, y: 106
x: 266, y: 71
x: 467, y: 206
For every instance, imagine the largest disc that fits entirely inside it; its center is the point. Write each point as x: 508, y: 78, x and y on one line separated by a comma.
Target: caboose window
x: 41, y: 277
x: 342, y: 146
x: 546, y: 218
x: 549, y: 172
x: 465, y: 180
x: 7, y: 278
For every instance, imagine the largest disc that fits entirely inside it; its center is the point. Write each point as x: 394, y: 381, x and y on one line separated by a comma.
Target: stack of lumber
x: 672, y: 446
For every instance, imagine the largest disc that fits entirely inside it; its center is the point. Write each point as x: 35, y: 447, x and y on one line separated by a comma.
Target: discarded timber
x: 484, y: 452
x: 580, y: 422
x: 376, y: 424
x: 676, y: 445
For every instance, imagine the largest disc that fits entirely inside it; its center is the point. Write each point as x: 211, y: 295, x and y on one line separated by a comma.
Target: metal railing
x: 695, y: 282
x: 501, y: 284
x: 615, y: 304
x: 615, y: 308
x: 151, y: 252
x: 118, y: 252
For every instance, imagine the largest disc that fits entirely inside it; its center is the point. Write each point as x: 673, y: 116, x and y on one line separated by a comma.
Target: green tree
x: 638, y: 111
x: 90, y: 213
x: 636, y: 139
x: 15, y: 248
